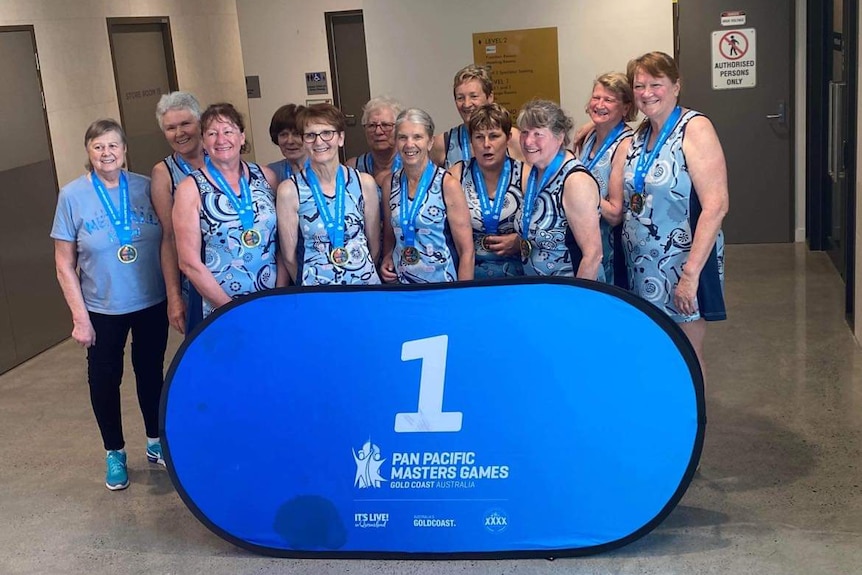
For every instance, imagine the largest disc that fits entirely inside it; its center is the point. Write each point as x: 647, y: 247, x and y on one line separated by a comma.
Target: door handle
x: 781, y: 116
x: 350, y: 119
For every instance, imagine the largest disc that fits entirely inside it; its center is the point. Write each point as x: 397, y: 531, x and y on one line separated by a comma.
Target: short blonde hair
x: 474, y: 72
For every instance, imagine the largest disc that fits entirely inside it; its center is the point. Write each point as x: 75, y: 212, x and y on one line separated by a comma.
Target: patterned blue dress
x: 174, y: 171
x: 314, y: 245
x: 602, y: 173
x: 237, y: 268
x: 282, y: 169
x: 365, y: 163
x: 437, y: 255
x: 455, y: 152
x: 658, y: 240
x: 554, y: 251
x: 489, y: 264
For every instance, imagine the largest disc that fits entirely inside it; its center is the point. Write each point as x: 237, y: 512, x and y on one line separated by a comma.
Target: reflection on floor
x: 779, y: 491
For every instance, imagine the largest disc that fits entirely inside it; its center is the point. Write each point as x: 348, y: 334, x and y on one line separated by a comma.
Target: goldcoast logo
x: 368, y: 462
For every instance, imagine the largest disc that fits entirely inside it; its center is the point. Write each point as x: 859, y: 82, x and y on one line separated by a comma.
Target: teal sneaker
x: 116, y: 476
x: 154, y: 454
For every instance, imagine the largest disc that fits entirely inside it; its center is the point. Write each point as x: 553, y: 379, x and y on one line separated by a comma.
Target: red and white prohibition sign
x: 733, y: 45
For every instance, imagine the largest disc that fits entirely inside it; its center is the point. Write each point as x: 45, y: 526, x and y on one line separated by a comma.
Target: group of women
x: 486, y: 199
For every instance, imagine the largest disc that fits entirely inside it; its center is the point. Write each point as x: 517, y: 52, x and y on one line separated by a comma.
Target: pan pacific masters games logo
x: 368, y: 461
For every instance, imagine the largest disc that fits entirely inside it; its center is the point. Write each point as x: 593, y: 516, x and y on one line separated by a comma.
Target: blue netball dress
x: 314, y: 245
x: 601, y: 171
x: 283, y: 170
x: 175, y: 171
x: 657, y: 240
x: 489, y: 264
x: 553, y: 250
x: 238, y: 268
x: 458, y: 148
x: 365, y: 163
x: 437, y: 256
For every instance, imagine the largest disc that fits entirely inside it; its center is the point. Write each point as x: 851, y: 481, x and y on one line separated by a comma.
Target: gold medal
x: 339, y: 257
x: 526, y: 249
x: 637, y: 203
x: 484, y: 243
x: 251, y: 238
x: 127, y: 253
x: 410, y: 255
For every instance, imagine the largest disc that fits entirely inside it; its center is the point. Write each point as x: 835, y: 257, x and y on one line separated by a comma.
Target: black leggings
x: 149, y: 329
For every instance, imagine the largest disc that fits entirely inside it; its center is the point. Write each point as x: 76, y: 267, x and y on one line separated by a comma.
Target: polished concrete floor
x: 779, y: 491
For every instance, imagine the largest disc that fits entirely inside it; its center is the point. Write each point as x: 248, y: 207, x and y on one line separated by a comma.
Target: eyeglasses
x: 385, y: 126
x: 325, y: 135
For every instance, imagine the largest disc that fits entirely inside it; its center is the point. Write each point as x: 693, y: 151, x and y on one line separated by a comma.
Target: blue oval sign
x: 527, y: 418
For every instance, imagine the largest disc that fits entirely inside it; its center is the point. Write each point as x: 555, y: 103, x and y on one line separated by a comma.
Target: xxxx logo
x: 496, y: 520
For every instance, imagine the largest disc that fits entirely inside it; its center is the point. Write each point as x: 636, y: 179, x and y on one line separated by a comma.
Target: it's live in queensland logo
x: 422, y: 469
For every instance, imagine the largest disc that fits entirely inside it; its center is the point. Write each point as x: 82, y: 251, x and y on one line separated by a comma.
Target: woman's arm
x: 287, y: 211
x: 706, y: 166
x: 163, y: 203
x: 186, y: 220
x: 66, y: 261
x: 372, y: 215
x: 458, y: 216
x: 387, y: 264
x: 612, y: 207
x: 580, y: 198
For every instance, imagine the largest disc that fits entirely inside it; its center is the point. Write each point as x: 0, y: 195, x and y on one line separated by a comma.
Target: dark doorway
x: 348, y: 64
x: 144, y: 69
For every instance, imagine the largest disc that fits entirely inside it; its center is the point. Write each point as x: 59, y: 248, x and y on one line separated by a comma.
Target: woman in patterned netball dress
x: 492, y: 182
x: 224, y: 220
x: 285, y: 134
x: 675, y: 199
x: 427, y: 236
x: 328, y: 215
x: 610, y: 107
x: 559, y: 219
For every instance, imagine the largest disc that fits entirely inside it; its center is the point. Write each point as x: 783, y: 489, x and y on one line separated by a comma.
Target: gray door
x: 144, y: 70
x: 349, y: 68
x: 33, y: 314
x: 753, y: 123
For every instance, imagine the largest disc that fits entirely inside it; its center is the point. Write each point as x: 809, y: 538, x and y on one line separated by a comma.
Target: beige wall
x: 78, y: 76
x: 415, y: 46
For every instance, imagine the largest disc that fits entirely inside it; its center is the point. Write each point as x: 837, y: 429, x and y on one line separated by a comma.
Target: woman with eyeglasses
x: 328, y: 214
x: 288, y: 137
x: 427, y: 236
x: 604, y: 147
x: 224, y: 219
x: 378, y: 119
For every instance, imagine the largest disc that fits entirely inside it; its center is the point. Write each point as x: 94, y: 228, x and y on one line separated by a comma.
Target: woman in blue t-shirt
x: 106, y: 244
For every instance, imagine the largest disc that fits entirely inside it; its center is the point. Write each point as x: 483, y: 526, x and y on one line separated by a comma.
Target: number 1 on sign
x: 430, y: 416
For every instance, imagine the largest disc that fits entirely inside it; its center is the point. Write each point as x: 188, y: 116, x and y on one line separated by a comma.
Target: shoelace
x: 115, y: 464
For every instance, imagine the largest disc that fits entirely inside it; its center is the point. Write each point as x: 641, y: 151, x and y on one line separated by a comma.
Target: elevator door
x: 33, y: 314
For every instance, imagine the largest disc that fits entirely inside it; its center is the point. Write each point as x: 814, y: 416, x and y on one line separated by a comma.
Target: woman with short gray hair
x: 378, y: 119
x: 427, y: 237
x: 559, y: 219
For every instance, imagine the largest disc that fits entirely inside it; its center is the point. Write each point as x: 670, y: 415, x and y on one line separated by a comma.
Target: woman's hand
x: 387, y: 269
x: 83, y: 333
x: 505, y: 245
x: 685, y: 294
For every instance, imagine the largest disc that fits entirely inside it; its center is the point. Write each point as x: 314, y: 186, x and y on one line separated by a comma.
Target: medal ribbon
x: 591, y: 141
x: 645, y: 162
x: 122, y: 221
x: 334, y: 223
x: 533, y: 190
x: 369, y: 163
x: 491, y: 212
x: 184, y: 165
x: 288, y: 171
x: 241, y: 204
x: 464, y: 141
x: 409, y: 210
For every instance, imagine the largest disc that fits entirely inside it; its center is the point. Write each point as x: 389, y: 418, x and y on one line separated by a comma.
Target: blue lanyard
x: 369, y: 163
x: 464, y: 142
x: 242, y: 204
x: 491, y: 212
x: 288, y: 171
x: 334, y: 223
x: 409, y: 210
x: 591, y: 141
x: 644, y: 161
x: 184, y: 165
x: 533, y: 190
x: 121, y: 220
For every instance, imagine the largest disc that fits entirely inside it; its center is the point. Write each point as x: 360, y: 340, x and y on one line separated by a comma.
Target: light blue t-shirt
x: 110, y: 286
